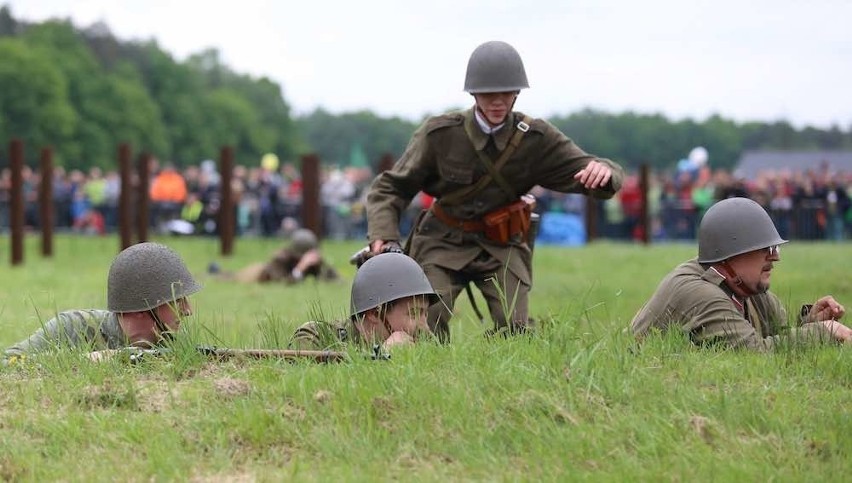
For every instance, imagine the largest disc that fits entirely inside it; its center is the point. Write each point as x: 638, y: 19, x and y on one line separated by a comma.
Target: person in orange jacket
x: 168, y: 193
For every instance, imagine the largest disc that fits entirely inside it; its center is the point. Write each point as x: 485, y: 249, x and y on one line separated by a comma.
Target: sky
x: 757, y: 60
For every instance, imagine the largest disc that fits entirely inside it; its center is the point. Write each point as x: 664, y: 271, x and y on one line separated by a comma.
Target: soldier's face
x: 495, y: 106
x: 171, y: 314
x: 142, y: 330
x: 408, y: 315
x: 755, y: 267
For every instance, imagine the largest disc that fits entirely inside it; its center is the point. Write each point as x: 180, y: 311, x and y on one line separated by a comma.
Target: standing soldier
x: 479, y: 164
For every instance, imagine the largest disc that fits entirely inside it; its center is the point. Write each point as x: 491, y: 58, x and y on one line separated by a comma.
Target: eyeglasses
x: 773, y: 251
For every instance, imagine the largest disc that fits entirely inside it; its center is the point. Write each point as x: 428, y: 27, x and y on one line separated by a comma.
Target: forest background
x: 84, y: 91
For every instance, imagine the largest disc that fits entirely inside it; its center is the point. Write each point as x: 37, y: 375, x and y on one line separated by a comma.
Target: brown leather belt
x: 465, y: 225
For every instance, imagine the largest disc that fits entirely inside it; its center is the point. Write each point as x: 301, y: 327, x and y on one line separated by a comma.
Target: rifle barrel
x: 287, y: 354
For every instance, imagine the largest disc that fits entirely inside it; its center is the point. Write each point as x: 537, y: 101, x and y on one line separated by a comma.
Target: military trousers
x: 506, y: 295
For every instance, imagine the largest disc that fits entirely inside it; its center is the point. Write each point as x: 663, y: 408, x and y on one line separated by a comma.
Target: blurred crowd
x: 809, y: 205
x: 812, y: 204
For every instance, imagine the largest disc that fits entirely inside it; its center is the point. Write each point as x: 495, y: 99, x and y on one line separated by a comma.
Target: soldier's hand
x: 840, y: 332
x: 594, y: 175
x: 398, y: 338
x: 362, y: 256
x: 376, y: 246
x: 826, y: 308
x: 311, y: 258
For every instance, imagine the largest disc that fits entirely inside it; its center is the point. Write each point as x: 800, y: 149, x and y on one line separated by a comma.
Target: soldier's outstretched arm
x: 392, y: 191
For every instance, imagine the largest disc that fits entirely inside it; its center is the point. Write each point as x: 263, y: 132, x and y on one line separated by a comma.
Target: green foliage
x: 334, y: 138
x: 634, y: 139
x: 33, y: 97
x: 83, y: 91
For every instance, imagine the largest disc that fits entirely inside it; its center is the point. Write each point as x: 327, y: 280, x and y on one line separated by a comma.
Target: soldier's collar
x: 480, y: 139
x: 713, y: 276
x: 484, y: 125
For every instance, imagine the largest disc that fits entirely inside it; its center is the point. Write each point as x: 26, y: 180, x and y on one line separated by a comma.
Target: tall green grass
x: 576, y: 400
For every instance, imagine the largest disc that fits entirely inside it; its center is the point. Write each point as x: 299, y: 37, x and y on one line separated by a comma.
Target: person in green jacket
x: 147, y: 297
x: 723, y: 297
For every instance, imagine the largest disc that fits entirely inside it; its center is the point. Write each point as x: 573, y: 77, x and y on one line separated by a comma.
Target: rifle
x: 221, y: 354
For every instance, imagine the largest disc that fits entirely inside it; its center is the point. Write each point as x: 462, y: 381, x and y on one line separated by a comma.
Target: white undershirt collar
x: 484, y: 125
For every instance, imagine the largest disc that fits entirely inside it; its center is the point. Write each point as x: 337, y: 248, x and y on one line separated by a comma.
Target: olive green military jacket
x: 280, y: 269
x: 320, y: 336
x: 86, y: 329
x: 699, y: 302
x: 440, y: 159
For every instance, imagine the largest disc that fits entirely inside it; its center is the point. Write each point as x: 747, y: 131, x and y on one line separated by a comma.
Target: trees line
x: 83, y: 91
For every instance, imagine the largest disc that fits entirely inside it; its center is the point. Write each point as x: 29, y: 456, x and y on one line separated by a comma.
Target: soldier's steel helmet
x: 303, y: 240
x: 145, y: 276
x: 732, y: 227
x: 388, y: 277
x: 495, y: 66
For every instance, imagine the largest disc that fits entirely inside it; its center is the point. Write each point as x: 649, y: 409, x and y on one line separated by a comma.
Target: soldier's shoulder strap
x: 443, y: 121
x: 465, y: 193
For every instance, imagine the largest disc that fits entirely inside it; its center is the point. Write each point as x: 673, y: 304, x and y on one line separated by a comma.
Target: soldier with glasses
x: 722, y: 297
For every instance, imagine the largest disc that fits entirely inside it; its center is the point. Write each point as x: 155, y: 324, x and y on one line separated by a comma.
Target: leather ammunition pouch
x: 507, y: 222
x: 500, y: 225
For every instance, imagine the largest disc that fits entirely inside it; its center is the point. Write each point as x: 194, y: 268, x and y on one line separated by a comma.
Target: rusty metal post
x: 311, y: 209
x: 125, y: 220
x: 591, y: 219
x: 16, y: 203
x: 45, y: 201
x: 143, y: 198
x: 645, y: 213
x: 227, y: 218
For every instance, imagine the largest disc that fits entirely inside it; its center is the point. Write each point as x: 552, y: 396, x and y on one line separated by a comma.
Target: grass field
x: 578, y: 400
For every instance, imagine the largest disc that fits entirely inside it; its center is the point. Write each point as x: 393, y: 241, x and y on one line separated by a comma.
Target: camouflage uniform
x: 88, y: 329
x: 700, y: 303
x: 441, y: 159
x: 324, y: 335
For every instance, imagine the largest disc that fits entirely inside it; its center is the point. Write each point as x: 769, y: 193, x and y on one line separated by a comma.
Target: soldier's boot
x: 514, y: 329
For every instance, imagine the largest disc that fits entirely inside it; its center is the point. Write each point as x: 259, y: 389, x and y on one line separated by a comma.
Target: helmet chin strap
x: 733, y: 280
x: 163, y: 331
x: 383, y: 314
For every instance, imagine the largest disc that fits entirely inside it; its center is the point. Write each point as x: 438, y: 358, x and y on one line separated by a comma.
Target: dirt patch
x: 108, y: 397
x: 323, y: 397
x: 155, y: 396
x: 292, y: 411
x: 383, y: 406
x: 229, y: 388
x: 232, y: 478
x: 701, y: 426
